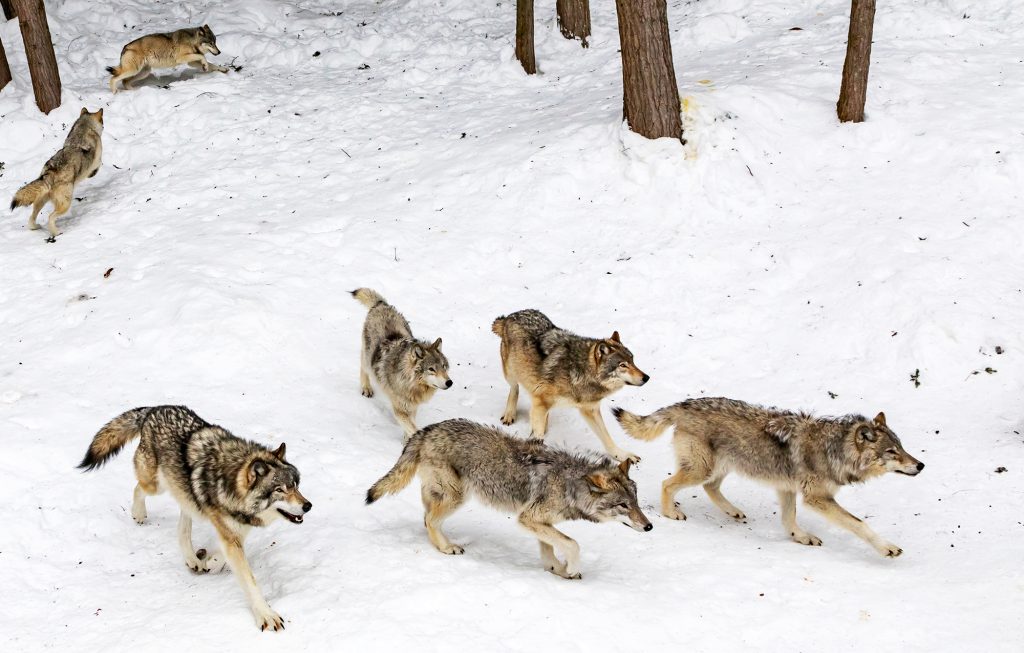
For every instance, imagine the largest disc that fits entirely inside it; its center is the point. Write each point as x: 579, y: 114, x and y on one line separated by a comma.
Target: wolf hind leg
x: 61, y: 199
x: 130, y: 82
x: 511, y: 404
x: 787, y: 508
x: 713, y: 488
x: 364, y: 378
x: 694, y: 469
x: 148, y: 484
x: 37, y: 206
x: 442, y: 495
x: 539, y: 418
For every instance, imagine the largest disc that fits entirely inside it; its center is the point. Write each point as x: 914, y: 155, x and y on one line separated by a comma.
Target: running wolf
x: 141, y: 56
x: 543, y: 485
x: 793, y: 452
x: 559, y: 367
x: 409, y: 371
x: 78, y: 159
x: 236, y: 484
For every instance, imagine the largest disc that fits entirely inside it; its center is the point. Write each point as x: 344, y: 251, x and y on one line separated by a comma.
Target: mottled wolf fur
x: 165, y: 50
x: 409, y: 371
x: 236, y: 484
x: 793, y: 452
x: 556, y: 367
x: 78, y: 159
x: 543, y: 485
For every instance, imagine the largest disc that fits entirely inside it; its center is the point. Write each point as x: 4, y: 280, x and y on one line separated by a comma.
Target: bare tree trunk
x: 8, y: 9
x: 5, y: 70
x: 524, y: 36
x: 650, y: 97
x: 42, y: 63
x: 854, y: 90
x: 574, y: 19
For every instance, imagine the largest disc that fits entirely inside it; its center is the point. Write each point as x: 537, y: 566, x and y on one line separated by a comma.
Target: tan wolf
x: 792, y: 452
x: 409, y: 371
x: 558, y: 367
x: 543, y: 485
x: 233, y: 483
x: 78, y: 159
x: 167, y: 50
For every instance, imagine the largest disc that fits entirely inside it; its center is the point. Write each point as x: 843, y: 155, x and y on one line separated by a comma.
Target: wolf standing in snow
x: 793, y: 452
x: 78, y: 159
x: 559, y: 367
x: 543, y: 485
x: 138, y: 58
x: 236, y: 484
x: 409, y: 371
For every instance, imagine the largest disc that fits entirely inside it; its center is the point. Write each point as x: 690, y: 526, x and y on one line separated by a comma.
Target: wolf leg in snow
x: 836, y: 514
x: 694, y: 473
x: 551, y: 563
x: 185, y: 542
x: 539, y: 418
x: 405, y: 419
x: 548, y: 534
x: 231, y: 544
x: 441, y: 497
x: 712, y: 487
x: 364, y: 379
x: 592, y: 415
x: 37, y: 206
x: 787, y: 504
x: 148, y: 483
x: 61, y: 198
x: 511, y: 404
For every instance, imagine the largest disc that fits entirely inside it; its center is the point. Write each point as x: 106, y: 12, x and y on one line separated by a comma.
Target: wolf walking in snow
x: 543, y: 485
x: 559, y: 367
x: 409, y: 371
x: 167, y: 50
x: 78, y: 159
x: 236, y: 484
x: 793, y: 452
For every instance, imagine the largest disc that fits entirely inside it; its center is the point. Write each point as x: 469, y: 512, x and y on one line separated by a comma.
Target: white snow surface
x: 778, y: 257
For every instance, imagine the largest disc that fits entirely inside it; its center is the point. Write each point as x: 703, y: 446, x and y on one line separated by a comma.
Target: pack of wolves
x: 238, y: 484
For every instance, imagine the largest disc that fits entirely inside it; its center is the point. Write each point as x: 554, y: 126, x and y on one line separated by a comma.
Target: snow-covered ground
x: 779, y: 257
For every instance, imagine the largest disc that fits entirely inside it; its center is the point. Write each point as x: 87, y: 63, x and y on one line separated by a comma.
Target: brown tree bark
x: 574, y: 19
x: 524, y: 36
x: 8, y: 9
x: 650, y: 97
x: 853, y: 92
x: 5, y: 70
x: 42, y: 63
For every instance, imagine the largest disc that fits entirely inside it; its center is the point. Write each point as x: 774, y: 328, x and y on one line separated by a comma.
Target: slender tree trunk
x: 5, y: 70
x: 650, y: 97
x: 42, y: 63
x: 574, y: 19
x: 524, y: 36
x: 854, y: 90
x: 8, y: 9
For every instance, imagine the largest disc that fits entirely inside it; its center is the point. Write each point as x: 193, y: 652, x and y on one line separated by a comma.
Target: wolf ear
x: 279, y: 452
x: 437, y: 345
x: 880, y: 419
x: 83, y: 112
x: 99, y: 116
x: 624, y: 466
x: 598, y: 482
x: 257, y: 470
x: 603, y: 349
x: 615, y: 337
x: 866, y: 433
x: 417, y: 351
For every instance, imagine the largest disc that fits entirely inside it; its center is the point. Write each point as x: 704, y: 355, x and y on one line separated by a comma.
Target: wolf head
x: 207, y: 40
x: 430, y: 365
x: 615, y: 365
x: 272, y: 488
x: 613, y: 497
x: 879, y: 450
x: 96, y: 117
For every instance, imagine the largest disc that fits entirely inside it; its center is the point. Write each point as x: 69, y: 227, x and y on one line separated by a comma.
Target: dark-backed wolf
x: 792, y: 452
x: 78, y: 159
x: 556, y: 367
x: 236, y: 484
x: 544, y: 486
x: 409, y: 371
x: 166, y: 50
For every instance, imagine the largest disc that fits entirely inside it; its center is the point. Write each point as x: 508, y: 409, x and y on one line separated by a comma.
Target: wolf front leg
x: 787, y: 505
x: 185, y: 543
x: 555, y: 539
x: 836, y: 514
x: 592, y: 414
x: 231, y: 542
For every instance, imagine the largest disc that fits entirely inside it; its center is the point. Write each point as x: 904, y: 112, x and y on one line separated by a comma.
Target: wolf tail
x: 498, y: 326
x: 368, y: 298
x: 644, y: 428
x: 113, y: 70
x: 401, y: 474
x: 112, y: 437
x: 31, y: 192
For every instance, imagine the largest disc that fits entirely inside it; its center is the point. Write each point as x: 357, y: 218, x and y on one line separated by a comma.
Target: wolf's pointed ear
x: 603, y: 349
x: 257, y: 470
x: 83, y: 112
x: 437, y: 345
x: 880, y: 419
x: 866, y: 433
x: 624, y: 466
x: 598, y: 482
x: 99, y: 116
x: 417, y: 350
x: 615, y: 337
x: 279, y: 452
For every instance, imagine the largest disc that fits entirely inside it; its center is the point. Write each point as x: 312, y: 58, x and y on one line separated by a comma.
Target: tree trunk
x: 8, y: 9
x: 5, y: 70
x: 574, y: 19
x: 854, y: 90
x: 524, y: 36
x: 42, y: 63
x: 650, y: 97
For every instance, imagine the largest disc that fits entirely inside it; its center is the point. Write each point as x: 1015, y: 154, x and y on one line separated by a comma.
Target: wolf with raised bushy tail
x: 409, y: 371
x: 556, y: 366
x: 166, y: 50
x: 544, y: 486
x: 792, y: 452
x: 78, y: 159
x: 236, y: 484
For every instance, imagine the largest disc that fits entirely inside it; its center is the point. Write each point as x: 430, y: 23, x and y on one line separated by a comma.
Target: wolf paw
x: 623, y: 456
x: 806, y: 538
x: 267, y: 619
x: 367, y: 392
x: 737, y: 515
x: 51, y: 239
x: 452, y: 550
x: 215, y: 563
x: 890, y: 550
x: 674, y: 513
x: 508, y: 420
x: 140, y: 516
x: 196, y: 565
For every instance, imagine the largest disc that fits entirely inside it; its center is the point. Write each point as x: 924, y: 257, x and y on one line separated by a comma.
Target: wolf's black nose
x: 648, y: 527
x: 647, y: 377
x: 920, y: 466
x: 448, y: 383
x: 306, y: 507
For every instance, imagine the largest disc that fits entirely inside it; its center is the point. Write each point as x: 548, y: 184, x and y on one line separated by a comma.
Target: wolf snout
x: 306, y: 507
x: 648, y: 527
x: 643, y: 380
x: 448, y: 383
x: 920, y: 467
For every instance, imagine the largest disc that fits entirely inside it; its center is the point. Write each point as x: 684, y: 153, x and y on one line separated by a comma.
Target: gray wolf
x: 558, y: 367
x: 235, y: 484
x: 78, y: 159
x: 792, y: 452
x: 409, y: 371
x: 541, y: 484
x: 167, y: 50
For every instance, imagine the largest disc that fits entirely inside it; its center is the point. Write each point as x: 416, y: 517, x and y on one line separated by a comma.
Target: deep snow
x: 779, y: 257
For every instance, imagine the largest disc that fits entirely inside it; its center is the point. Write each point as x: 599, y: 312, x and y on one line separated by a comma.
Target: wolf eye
x: 432, y: 370
x: 623, y: 365
x: 891, y: 452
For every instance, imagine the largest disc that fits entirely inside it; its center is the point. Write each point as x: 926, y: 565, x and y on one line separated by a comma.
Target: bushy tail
x: 401, y: 474
x: 368, y: 298
x: 114, y: 70
x: 498, y: 327
x: 29, y: 193
x: 644, y: 428
x: 112, y: 437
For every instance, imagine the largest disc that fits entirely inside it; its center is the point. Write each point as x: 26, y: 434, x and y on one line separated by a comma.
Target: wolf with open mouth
x: 235, y: 484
